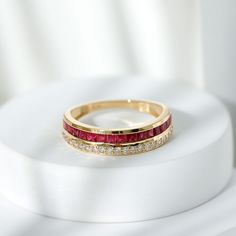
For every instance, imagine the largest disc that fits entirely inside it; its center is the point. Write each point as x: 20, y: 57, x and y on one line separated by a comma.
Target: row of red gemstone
x: 117, y: 138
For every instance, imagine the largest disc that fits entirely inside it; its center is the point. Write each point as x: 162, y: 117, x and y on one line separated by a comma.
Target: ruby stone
x: 157, y: 130
x: 163, y: 127
x: 91, y: 137
x: 117, y: 138
x: 101, y: 138
x: 132, y: 138
x: 150, y: 133
x: 142, y: 135
x: 82, y: 135
x: 111, y: 138
x: 121, y: 138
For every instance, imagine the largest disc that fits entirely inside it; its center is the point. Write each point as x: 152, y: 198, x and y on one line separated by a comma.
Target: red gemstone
x: 76, y: 133
x: 82, y: 135
x: 142, y: 135
x: 112, y: 138
x: 72, y: 130
x: 163, y: 126
x: 157, y: 130
x: 101, y: 138
x: 91, y: 137
x: 150, y: 133
x: 64, y: 125
x: 121, y: 138
x: 132, y: 138
x: 168, y: 123
x: 68, y: 128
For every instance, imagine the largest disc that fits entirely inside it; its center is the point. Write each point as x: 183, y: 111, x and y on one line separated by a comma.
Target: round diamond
x: 74, y: 143
x: 94, y: 149
x: 147, y: 146
x: 153, y: 144
x: 81, y: 146
x: 117, y: 150
x: 140, y: 147
x: 109, y: 150
x: 132, y: 149
x: 125, y: 150
x: 101, y: 149
x: 165, y: 138
x: 87, y: 148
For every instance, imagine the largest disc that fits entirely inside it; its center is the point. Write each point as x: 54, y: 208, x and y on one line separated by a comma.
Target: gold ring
x: 118, y: 142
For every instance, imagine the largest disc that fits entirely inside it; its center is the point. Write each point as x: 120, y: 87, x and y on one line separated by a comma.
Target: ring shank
x: 147, y: 107
x: 158, y: 110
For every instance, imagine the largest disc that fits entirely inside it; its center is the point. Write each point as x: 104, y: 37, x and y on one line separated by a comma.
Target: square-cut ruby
x: 163, y: 126
x: 142, y: 135
x: 132, y: 138
x: 150, y: 133
x: 121, y: 138
x: 72, y: 130
x: 82, y: 135
x: 111, y: 138
x: 91, y: 137
x: 76, y: 133
x: 69, y: 128
x: 157, y: 130
x: 101, y: 138
x: 64, y: 125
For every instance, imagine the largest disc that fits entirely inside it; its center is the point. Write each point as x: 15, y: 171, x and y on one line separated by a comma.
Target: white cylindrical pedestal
x: 38, y: 171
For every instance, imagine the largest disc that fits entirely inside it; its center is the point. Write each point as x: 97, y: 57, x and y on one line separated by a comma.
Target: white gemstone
x: 94, y: 149
x: 136, y: 148
x: 109, y: 150
x: 88, y: 148
x: 101, y: 149
x: 165, y: 138
x: 132, y: 149
x: 74, y: 143
x: 147, y: 146
x: 125, y: 150
x: 153, y: 144
x: 160, y: 141
x: 117, y: 150
x: 140, y: 147
x: 81, y: 146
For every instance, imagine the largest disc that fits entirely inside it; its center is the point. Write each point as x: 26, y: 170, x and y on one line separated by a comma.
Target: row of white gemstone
x: 120, y: 150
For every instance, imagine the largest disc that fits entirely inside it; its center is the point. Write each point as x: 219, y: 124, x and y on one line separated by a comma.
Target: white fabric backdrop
x: 48, y: 40
x: 44, y: 40
x: 191, y: 40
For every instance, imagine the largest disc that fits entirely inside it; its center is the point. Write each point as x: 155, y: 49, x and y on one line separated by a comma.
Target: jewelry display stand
x: 39, y: 172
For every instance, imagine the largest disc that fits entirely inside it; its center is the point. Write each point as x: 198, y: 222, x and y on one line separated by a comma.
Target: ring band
x: 122, y: 141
